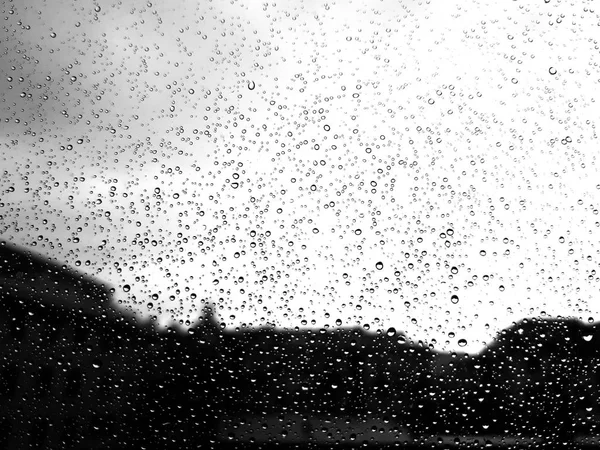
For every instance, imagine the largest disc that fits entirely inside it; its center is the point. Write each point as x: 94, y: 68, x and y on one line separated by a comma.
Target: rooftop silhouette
x: 76, y: 375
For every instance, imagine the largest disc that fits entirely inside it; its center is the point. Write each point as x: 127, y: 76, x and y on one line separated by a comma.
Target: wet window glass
x: 299, y: 223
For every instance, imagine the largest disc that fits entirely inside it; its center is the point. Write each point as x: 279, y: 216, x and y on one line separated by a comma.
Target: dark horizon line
x: 110, y: 306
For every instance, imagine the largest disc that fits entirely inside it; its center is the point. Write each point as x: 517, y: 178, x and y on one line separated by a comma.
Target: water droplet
x: 358, y: 231
x: 454, y: 270
x: 379, y: 265
x: 251, y: 85
x: 454, y: 299
x: 462, y: 342
x: 150, y: 305
x: 588, y: 337
x: 52, y: 35
x: 482, y: 252
x: 126, y: 288
x: 552, y: 71
x: 391, y: 332
x: 96, y: 363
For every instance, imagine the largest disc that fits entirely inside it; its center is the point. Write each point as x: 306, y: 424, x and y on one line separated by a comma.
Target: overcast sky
x: 427, y: 166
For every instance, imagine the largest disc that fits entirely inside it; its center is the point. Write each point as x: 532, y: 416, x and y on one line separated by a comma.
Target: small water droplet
x: 96, y: 363
x: 379, y: 265
x: 552, y: 71
x: 454, y: 299
x: 251, y: 85
x: 52, y: 35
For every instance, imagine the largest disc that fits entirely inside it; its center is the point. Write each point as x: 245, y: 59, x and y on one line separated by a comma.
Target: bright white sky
x: 481, y: 119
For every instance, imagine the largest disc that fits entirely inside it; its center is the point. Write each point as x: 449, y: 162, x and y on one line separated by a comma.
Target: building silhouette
x: 74, y: 373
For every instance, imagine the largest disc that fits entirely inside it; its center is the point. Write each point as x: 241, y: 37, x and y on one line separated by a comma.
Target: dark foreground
x: 76, y: 375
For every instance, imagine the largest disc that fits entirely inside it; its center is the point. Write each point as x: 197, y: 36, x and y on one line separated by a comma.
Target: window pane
x: 315, y: 223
